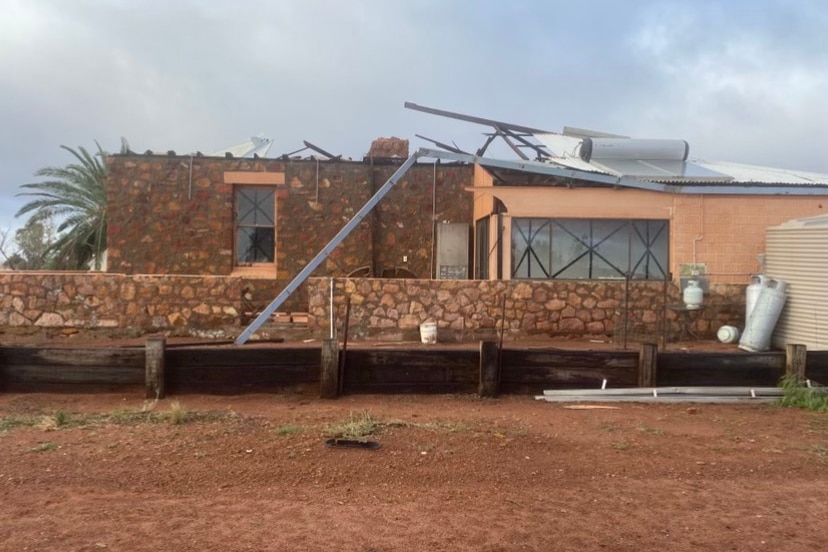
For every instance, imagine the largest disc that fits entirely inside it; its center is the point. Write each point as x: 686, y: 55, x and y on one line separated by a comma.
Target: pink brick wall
x: 729, y: 231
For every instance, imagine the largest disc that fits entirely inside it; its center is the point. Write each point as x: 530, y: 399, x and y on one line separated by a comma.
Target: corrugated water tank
x: 797, y: 252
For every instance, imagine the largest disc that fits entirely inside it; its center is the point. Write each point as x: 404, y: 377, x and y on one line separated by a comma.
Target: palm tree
x: 75, y: 195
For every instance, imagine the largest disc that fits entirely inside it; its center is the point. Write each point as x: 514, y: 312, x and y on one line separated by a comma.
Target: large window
x: 589, y: 248
x: 255, y: 220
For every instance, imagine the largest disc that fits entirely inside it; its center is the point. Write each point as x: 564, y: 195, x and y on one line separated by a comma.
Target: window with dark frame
x: 589, y: 248
x: 255, y: 223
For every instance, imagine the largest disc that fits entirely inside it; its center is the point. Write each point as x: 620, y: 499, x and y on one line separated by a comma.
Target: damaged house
x: 580, y: 234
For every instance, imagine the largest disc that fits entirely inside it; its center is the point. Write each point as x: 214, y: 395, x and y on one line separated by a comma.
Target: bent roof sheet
x: 698, y: 171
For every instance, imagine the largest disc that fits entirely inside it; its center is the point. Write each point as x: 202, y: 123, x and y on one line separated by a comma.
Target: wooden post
x: 329, y: 376
x: 647, y: 361
x: 154, y: 374
x: 795, y: 359
x: 489, y: 370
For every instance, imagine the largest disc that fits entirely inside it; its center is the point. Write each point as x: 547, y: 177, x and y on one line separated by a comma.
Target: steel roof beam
x: 446, y: 147
x: 473, y: 119
x: 505, y: 135
x: 485, y: 146
x: 541, y: 154
x: 319, y: 150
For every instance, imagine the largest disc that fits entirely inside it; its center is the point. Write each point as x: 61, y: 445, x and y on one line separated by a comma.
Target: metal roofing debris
x: 642, y: 160
x: 256, y: 146
x: 665, y: 394
x: 446, y: 147
x: 319, y: 150
x: 312, y: 147
x: 679, y: 187
x: 473, y: 119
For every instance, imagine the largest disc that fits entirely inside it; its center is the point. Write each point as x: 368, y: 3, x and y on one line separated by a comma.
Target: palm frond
x: 75, y: 193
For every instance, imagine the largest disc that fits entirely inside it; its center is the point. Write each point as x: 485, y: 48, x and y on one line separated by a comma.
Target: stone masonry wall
x: 380, y: 308
x: 404, y: 221
x: 117, y: 301
x: 465, y: 309
x: 166, y: 219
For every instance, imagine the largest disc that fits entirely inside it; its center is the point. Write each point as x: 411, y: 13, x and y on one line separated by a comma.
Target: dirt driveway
x: 455, y: 473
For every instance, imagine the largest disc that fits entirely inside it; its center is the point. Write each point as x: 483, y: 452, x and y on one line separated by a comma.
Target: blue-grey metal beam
x: 327, y: 250
x: 473, y: 119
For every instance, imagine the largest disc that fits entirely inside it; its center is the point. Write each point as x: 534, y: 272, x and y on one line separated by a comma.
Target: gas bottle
x: 693, y: 295
x: 752, y: 292
x: 728, y: 334
x: 763, y: 318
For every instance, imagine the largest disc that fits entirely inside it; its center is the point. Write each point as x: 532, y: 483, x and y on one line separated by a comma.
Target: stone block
x: 49, y: 320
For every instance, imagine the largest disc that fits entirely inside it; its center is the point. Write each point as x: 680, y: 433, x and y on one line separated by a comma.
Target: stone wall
x: 174, y: 215
x: 380, y: 308
x: 465, y: 309
x: 137, y: 303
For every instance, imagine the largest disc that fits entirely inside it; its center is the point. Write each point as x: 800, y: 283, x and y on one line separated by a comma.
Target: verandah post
x: 796, y: 357
x: 329, y: 375
x: 154, y: 367
x: 489, y: 370
x: 647, y: 362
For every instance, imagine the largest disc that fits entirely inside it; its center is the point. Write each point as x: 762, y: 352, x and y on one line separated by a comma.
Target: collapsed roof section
x: 632, y: 162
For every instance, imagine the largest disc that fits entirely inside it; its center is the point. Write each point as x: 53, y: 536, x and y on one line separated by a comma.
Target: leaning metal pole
x: 303, y: 275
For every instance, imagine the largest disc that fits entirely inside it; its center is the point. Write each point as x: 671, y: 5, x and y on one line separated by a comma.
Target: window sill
x: 255, y: 271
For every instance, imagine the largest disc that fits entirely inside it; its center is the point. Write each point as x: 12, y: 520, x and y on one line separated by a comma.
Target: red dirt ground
x: 455, y: 473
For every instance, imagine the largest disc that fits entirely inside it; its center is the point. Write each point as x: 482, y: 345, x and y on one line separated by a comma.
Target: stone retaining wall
x: 380, y: 308
x: 118, y: 301
x: 466, y: 309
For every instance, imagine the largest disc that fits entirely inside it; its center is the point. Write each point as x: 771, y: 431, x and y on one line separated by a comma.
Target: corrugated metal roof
x: 763, y: 175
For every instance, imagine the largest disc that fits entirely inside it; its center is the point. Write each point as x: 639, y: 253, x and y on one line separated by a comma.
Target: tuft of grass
x: 61, y: 418
x: 122, y: 417
x: 428, y: 426
x: 42, y: 447
x: 357, y: 427
x: 797, y: 394
x: 288, y: 429
x: 177, y: 414
x: 11, y: 422
x: 621, y: 445
x: 647, y: 429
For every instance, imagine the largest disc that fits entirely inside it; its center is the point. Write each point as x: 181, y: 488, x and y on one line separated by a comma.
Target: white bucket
x: 728, y: 334
x: 428, y: 332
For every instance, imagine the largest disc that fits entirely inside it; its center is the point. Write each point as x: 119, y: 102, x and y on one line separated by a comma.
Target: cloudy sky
x: 740, y: 80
